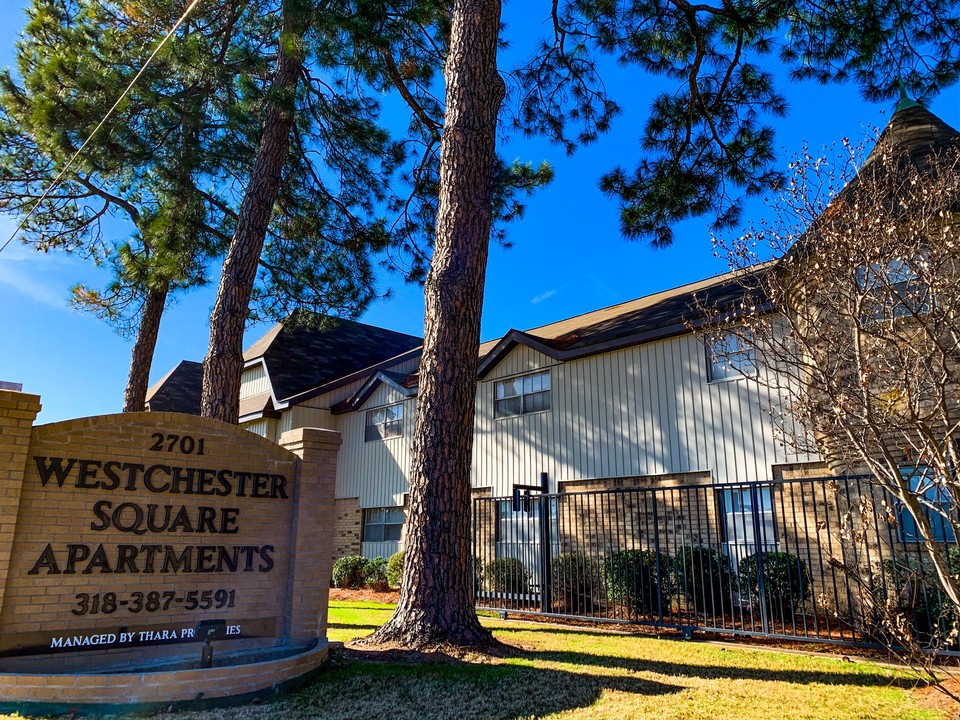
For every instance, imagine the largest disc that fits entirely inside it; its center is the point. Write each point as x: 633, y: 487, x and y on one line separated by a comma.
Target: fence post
x: 758, y: 544
x: 656, y: 550
x: 546, y: 574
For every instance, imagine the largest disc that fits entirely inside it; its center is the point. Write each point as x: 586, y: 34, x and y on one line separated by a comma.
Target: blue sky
x: 567, y: 257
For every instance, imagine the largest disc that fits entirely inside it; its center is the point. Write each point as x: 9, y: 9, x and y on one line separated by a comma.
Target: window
x: 730, y: 355
x: 933, y: 495
x: 382, y: 524
x: 521, y: 395
x: 383, y: 423
x: 892, y: 289
x: 747, y: 514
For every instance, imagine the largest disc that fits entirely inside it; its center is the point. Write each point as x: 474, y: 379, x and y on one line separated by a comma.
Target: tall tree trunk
x: 135, y: 396
x: 436, y: 599
x: 224, y: 362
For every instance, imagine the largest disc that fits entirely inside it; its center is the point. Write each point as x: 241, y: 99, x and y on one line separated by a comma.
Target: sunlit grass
x: 580, y: 673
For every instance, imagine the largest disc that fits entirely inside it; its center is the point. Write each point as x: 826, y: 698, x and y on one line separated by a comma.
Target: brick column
x: 17, y: 412
x: 312, y: 532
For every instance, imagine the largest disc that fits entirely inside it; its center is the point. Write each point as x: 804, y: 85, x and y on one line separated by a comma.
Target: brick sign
x: 133, y: 530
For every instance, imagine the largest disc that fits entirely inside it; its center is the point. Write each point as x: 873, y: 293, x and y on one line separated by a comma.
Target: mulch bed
x: 364, y: 595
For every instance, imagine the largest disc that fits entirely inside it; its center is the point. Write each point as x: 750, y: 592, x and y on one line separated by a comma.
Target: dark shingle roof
x: 652, y: 317
x: 916, y: 135
x: 300, y: 358
x: 914, y: 140
x: 179, y: 390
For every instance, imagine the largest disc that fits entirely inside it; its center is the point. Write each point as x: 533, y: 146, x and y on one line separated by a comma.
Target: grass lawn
x: 574, y: 672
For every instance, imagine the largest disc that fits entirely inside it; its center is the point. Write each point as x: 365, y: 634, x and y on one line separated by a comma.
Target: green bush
x: 375, y: 575
x: 786, y: 581
x: 477, y: 575
x: 636, y: 579
x: 575, y: 582
x: 350, y: 572
x: 507, y: 575
x: 395, y: 569
x: 704, y: 577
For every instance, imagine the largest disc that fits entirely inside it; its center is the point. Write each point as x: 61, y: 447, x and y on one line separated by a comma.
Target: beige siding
x: 643, y: 411
x: 301, y: 416
x: 374, y: 471
x: 384, y: 395
x: 380, y: 549
x: 254, y: 381
x: 646, y: 410
x: 264, y: 427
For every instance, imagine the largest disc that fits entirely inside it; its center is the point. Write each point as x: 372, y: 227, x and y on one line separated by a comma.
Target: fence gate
x: 807, y: 559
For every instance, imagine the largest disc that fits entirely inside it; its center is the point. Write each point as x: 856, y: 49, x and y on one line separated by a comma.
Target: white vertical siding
x: 264, y: 427
x: 380, y: 549
x: 376, y: 471
x: 301, y: 416
x: 254, y: 381
x: 646, y: 410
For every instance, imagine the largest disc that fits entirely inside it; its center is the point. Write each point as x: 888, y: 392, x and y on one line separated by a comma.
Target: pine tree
x: 705, y: 147
x: 323, y: 118
x: 150, y: 172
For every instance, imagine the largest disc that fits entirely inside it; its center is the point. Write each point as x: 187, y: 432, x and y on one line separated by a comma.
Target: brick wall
x: 348, y: 527
x: 120, y: 533
x: 598, y: 524
x: 17, y: 413
x: 152, y: 691
x: 308, y: 586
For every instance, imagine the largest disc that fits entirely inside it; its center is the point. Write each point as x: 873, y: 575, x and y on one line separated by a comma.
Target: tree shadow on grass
x: 450, y: 690
x: 852, y: 677
x: 368, y: 628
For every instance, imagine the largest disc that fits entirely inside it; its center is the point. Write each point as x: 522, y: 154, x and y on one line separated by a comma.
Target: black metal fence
x: 829, y: 559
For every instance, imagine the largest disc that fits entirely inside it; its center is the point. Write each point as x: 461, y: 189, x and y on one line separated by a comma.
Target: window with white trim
x: 521, y: 395
x: 384, y: 423
x: 730, y: 355
x: 382, y: 524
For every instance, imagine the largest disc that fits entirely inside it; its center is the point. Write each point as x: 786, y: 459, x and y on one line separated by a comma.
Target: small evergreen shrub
x: 786, y: 581
x: 635, y: 579
x: 395, y: 569
x: 507, y: 575
x: 477, y: 575
x: 375, y: 575
x: 575, y: 582
x: 705, y: 578
x: 350, y: 572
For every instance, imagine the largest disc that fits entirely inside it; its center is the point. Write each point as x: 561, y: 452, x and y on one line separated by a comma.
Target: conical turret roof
x: 914, y: 138
x: 914, y: 135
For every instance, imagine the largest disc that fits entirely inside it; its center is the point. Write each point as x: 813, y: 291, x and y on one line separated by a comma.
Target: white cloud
x: 34, y: 275
x: 543, y: 296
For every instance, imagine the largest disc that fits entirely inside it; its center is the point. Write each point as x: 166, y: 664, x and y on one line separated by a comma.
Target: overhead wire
x: 103, y: 121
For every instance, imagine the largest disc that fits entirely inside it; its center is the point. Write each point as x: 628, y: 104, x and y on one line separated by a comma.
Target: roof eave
x: 357, y: 400
x: 346, y: 379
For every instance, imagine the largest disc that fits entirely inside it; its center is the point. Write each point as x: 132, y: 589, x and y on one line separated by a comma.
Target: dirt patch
x: 935, y: 699
x: 391, y: 596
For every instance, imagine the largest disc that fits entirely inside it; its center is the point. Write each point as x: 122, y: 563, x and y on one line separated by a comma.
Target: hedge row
x: 377, y: 574
x: 641, y: 580
x: 644, y: 581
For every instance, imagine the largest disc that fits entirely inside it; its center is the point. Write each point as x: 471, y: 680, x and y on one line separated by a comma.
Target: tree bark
x: 135, y: 396
x: 436, y: 598
x: 223, y: 364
